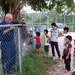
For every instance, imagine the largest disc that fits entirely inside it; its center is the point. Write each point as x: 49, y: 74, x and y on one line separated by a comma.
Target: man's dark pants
x: 8, y: 56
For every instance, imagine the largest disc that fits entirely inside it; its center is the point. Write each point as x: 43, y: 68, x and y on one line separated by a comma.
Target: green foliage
x: 8, y: 1
x: 57, y: 5
x: 37, y: 4
x: 40, y: 5
x: 69, y: 3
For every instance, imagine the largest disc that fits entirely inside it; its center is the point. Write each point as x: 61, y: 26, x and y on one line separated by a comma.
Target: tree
x: 14, y: 6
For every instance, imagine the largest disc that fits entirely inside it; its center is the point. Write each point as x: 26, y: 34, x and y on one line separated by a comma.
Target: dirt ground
x: 55, y: 70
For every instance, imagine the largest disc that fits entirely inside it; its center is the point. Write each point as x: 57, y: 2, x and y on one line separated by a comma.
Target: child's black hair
x: 38, y: 33
x: 66, y: 28
x: 53, y: 24
x: 46, y: 31
x: 69, y: 37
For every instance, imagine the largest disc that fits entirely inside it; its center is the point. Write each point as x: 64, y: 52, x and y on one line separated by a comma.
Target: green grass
x: 42, y: 42
x: 33, y: 65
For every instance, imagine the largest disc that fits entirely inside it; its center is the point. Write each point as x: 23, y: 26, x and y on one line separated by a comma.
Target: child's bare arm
x: 61, y: 34
x: 69, y: 52
x: 32, y: 38
x: 48, y: 37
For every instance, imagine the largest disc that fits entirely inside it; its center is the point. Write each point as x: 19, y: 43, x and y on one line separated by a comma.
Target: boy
x: 67, y: 53
x: 66, y: 30
x: 46, y: 44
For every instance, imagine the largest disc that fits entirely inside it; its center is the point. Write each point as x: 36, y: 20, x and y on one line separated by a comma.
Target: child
x: 67, y: 53
x: 38, y: 43
x: 66, y: 30
x: 65, y: 33
x: 46, y: 44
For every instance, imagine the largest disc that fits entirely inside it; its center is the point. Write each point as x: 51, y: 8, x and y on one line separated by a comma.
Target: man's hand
x: 8, y: 30
x: 12, y: 28
x: 22, y: 22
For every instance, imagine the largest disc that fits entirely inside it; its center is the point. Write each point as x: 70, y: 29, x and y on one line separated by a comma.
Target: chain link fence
x: 46, y: 18
x: 12, y: 49
x: 14, y: 46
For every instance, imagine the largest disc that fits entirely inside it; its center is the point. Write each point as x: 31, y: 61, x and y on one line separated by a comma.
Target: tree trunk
x: 11, y: 8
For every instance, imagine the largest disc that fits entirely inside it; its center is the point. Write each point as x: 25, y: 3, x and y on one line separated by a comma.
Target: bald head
x: 8, y: 18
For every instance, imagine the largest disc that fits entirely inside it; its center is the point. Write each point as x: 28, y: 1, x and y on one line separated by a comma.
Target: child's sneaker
x: 59, y: 65
x: 60, y: 58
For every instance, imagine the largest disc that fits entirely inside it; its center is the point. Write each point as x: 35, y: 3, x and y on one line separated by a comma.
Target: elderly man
x: 8, y: 49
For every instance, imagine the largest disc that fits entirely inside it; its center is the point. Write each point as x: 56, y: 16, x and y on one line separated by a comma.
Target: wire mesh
x: 45, y: 18
x: 9, y: 54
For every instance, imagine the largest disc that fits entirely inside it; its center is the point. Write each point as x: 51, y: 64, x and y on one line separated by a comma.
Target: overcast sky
x: 28, y: 9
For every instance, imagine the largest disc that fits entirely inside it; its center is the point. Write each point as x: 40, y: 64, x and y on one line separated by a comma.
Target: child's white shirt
x: 46, y: 41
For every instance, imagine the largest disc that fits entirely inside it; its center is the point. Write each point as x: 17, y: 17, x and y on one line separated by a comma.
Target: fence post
x: 19, y: 51
x: 33, y: 30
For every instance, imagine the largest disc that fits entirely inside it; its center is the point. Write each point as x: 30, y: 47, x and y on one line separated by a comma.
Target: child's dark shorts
x: 46, y: 48
x: 38, y: 46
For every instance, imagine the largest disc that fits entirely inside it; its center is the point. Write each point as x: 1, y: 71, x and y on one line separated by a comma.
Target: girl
x: 38, y: 43
x: 46, y: 44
